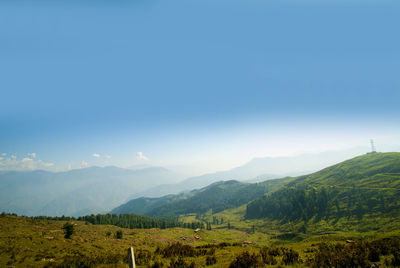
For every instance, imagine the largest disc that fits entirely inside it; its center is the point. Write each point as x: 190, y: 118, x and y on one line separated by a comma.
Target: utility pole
x: 373, y: 150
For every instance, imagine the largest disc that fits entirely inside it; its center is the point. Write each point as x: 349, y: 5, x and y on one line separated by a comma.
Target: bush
x: 290, y: 257
x: 118, y: 234
x: 396, y: 259
x: 177, y: 249
x: 142, y: 257
x: 373, y: 255
x: 340, y: 255
x: 210, y: 260
x: 157, y: 264
x: 267, y: 257
x: 68, y: 230
x: 246, y: 260
x: 180, y: 263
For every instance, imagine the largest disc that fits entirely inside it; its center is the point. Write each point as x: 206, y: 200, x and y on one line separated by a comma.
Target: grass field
x: 25, y: 242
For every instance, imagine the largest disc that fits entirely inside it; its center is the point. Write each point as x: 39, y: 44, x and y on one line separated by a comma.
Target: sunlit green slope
x: 216, y: 197
x: 365, y: 186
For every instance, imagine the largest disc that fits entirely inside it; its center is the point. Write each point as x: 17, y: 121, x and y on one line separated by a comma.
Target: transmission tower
x: 373, y: 150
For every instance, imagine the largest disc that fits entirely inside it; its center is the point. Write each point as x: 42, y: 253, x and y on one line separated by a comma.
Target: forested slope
x: 365, y: 185
x: 217, y: 197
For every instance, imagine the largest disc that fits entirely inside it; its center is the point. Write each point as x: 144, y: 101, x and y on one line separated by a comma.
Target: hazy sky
x: 205, y: 84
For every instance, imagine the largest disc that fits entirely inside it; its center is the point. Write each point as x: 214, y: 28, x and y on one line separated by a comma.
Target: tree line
x: 131, y: 221
x: 306, y: 202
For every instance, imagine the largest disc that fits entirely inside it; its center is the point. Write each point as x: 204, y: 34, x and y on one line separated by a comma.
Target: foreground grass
x: 25, y: 242
x: 33, y: 243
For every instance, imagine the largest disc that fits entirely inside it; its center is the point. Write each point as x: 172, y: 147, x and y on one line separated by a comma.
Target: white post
x: 131, y: 259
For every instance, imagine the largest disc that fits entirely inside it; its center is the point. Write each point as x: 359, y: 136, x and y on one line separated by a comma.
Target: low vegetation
x: 27, y: 242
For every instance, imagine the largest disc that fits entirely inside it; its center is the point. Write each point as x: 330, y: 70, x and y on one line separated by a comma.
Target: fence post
x: 131, y: 257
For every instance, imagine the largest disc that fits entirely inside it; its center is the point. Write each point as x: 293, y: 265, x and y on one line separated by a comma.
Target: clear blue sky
x: 207, y: 83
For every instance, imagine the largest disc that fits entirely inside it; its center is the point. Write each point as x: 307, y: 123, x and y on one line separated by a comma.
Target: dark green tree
x: 68, y: 229
x: 118, y: 234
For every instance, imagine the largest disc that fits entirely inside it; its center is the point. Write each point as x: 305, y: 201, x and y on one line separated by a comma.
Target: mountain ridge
x: 75, y: 192
x: 217, y: 196
x: 353, y: 192
x: 364, y: 186
x: 267, y: 167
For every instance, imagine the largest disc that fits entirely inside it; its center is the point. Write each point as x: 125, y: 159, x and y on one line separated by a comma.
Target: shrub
x: 118, y: 234
x: 396, y: 259
x: 210, y: 260
x: 246, y: 260
x: 339, y: 255
x: 290, y: 257
x: 180, y: 263
x: 68, y: 229
x: 267, y: 257
x: 177, y: 249
x: 157, y: 264
x: 373, y: 255
x: 142, y: 257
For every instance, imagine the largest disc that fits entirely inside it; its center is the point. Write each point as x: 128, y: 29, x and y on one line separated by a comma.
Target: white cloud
x: 69, y: 166
x: 96, y: 155
x: 45, y: 164
x: 84, y: 164
x: 26, y: 163
x: 3, y: 154
x: 32, y: 155
x: 140, y: 156
x: 108, y: 156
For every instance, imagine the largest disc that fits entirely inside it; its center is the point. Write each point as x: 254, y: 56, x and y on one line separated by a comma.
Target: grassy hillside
x: 25, y: 242
x: 363, y: 191
x: 144, y: 205
x: 216, y: 197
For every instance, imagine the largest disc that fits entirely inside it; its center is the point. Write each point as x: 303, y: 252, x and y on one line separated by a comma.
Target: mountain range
x: 76, y: 192
x: 258, y: 169
x: 364, y: 189
x: 101, y: 189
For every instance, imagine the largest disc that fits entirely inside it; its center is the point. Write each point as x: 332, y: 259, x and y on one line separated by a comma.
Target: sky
x: 194, y: 85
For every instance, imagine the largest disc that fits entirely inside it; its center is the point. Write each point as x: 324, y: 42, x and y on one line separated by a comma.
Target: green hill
x: 216, y: 197
x: 359, y: 194
x: 367, y: 186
